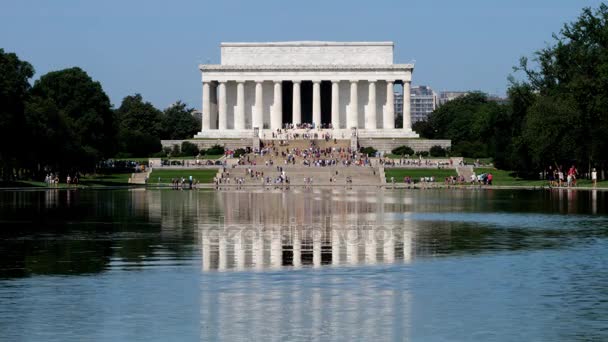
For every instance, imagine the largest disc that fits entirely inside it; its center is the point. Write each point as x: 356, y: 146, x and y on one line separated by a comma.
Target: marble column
x: 370, y: 117
x: 407, y: 114
x: 258, y: 113
x: 335, y: 104
x: 297, y: 104
x: 239, y: 112
x: 206, y: 107
x: 353, y: 113
x: 221, y: 104
x: 276, y: 119
x: 389, y: 109
x: 316, y: 103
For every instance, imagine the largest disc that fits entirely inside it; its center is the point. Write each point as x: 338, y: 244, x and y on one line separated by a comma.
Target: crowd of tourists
x: 52, y: 180
x: 293, y: 132
x: 418, y: 162
x: 183, y: 183
x: 557, y: 177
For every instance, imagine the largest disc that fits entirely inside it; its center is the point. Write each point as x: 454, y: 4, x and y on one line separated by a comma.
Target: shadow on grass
x: 19, y: 184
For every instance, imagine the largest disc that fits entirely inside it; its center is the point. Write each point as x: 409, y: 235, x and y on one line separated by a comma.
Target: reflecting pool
x: 422, y: 265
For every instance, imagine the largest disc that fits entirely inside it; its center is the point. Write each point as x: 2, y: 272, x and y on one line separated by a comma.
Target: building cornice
x: 305, y: 43
x: 290, y: 68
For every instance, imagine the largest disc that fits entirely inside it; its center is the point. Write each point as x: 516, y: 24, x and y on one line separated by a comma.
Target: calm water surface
x: 435, y: 265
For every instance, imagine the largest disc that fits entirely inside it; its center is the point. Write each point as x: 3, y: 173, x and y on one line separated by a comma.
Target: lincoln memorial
x: 340, y: 87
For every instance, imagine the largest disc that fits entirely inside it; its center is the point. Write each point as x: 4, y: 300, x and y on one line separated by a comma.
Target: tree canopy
x: 71, y: 120
x: 139, y: 127
x: 14, y: 90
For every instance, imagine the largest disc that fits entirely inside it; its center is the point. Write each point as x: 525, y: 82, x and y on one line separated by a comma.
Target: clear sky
x: 153, y: 47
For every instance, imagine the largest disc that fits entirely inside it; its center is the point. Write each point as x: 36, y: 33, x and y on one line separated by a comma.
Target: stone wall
x: 388, y: 144
x: 230, y: 144
x: 381, y: 144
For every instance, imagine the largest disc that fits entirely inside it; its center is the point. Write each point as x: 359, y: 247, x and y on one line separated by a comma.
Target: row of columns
x: 276, y: 113
x: 367, y: 245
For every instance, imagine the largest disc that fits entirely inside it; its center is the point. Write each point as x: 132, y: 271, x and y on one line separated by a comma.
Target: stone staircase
x: 466, y: 171
x: 360, y: 175
x: 140, y: 177
x: 290, y: 145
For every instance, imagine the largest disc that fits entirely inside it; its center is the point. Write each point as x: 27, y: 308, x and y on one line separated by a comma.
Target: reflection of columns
x: 316, y: 248
x: 389, y: 246
x: 206, y: 106
x: 297, y: 104
x: 276, y: 250
x: 316, y: 103
x: 239, y: 112
x: 407, y: 115
x: 206, y: 254
x: 222, y: 253
x: 297, y: 249
x: 353, y: 113
x: 370, y: 117
x: 352, y: 246
x: 276, y: 120
x: 239, y: 251
x: 335, y: 247
x: 221, y: 99
x: 258, y: 250
x: 370, y: 246
x: 389, y: 109
x: 258, y: 114
x: 407, y: 246
x: 335, y: 104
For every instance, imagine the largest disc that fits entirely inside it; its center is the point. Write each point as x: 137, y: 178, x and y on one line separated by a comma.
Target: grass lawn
x: 483, y: 161
x: 502, y: 177
x: 139, y: 160
x: 111, y: 179
x: 398, y: 156
x: 211, y: 156
x: 22, y: 184
x: 203, y: 176
x: 439, y: 174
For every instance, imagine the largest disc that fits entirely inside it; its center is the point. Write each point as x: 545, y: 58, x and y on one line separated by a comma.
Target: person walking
x: 594, y: 177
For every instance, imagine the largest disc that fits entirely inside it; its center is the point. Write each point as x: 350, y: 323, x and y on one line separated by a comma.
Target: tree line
x: 65, y: 122
x: 557, y: 116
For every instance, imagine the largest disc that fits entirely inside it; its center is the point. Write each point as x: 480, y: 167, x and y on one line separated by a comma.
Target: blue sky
x: 153, y: 47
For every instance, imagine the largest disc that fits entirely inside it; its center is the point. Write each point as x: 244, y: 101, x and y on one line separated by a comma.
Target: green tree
x: 80, y: 111
x: 139, y: 127
x: 469, y: 121
x: 179, y: 123
x: 575, y: 68
x: 14, y: 90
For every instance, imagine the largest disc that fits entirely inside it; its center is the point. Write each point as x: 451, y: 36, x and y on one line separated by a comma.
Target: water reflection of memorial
x: 273, y: 230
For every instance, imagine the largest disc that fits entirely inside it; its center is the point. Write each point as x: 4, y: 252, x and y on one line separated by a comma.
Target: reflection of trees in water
x: 73, y: 232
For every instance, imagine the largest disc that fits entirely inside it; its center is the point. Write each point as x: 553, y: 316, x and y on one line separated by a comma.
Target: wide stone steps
x: 320, y: 175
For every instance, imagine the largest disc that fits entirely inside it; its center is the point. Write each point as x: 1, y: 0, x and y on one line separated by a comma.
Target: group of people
x: 182, y: 183
x: 415, y: 162
x: 52, y: 180
x: 556, y: 176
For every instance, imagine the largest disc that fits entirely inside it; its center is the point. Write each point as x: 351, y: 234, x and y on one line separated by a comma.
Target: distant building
x: 447, y: 96
x: 423, y: 101
x: 398, y: 104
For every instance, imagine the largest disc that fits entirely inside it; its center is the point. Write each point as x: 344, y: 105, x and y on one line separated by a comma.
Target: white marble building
x: 342, y: 85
